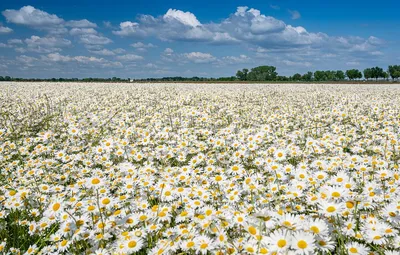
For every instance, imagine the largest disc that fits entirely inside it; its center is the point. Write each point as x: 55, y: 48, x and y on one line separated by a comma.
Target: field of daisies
x: 199, y: 169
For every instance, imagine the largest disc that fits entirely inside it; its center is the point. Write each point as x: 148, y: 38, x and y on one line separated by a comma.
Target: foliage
x: 353, y: 74
x: 262, y: 73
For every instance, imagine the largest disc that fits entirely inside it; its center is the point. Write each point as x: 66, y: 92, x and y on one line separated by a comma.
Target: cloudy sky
x: 87, y: 38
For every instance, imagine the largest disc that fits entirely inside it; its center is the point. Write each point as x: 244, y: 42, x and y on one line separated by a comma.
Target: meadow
x: 199, y: 168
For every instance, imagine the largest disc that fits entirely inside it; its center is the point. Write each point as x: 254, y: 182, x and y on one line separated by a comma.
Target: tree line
x: 259, y: 73
x: 268, y: 73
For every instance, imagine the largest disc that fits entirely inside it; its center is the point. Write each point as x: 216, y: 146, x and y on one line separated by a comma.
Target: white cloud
x: 46, y: 44
x: 119, y: 51
x: 57, y: 57
x: 185, y: 18
x: 82, y: 31
x: 93, y: 39
x: 130, y: 57
x: 199, y: 57
x: 5, y: 30
x: 41, y: 20
x: 174, y: 25
x: 150, y: 65
x: 293, y: 63
x: 295, y: 14
x: 139, y: 46
x: 236, y: 60
x: 14, y: 41
x: 245, y: 25
x: 168, y: 51
x: 83, y: 23
x: 142, y: 45
x: 103, y: 52
x: 83, y: 60
x: 3, y: 45
x: 27, y: 60
x: 30, y: 16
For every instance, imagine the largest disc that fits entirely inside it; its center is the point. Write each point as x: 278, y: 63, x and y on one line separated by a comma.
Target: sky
x: 208, y: 38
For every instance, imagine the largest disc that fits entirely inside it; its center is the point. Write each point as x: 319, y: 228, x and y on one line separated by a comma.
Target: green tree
x: 394, y: 71
x: 340, y: 75
x: 353, y: 74
x: 296, y: 77
x: 262, y: 73
x: 367, y: 73
x: 320, y: 76
x: 307, y: 76
x: 242, y: 75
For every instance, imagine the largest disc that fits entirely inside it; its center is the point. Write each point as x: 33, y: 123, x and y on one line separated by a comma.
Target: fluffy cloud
x: 82, y: 31
x: 119, y: 51
x: 174, y: 25
x: 130, y: 57
x: 142, y: 45
x: 27, y: 60
x: 93, y: 39
x: 103, y: 52
x: 199, y: 57
x: 41, y: 20
x: 246, y: 26
x: 46, y: 44
x: 236, y: 60
x: 168, y: 51
x: 81, y: 23
x: 185, y: 18
x: 4, y: 45
x: 14, y: 41
x: 5, y: 30
x: 83, y: 60
x: 30, y: 16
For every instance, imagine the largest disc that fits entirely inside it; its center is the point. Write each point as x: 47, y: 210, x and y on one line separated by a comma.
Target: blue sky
x: 139, y: 39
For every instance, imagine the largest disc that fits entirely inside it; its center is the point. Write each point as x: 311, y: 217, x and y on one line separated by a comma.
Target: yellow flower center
x: 281, y: 243
x: 132, y: 244
x: 331, y: 209
x: 353, y: 250
x: 302, y: 244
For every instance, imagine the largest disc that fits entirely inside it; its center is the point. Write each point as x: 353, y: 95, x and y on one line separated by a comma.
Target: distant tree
x: 245, y: 73
x: 340, y: 75
x: 296, y: 77
x: 367, y: 73
x: 242, y: 74
x: 396, y: 74
x: 353, y: 74
x: 307, y: 76
x: 386, y: 75
x: 320, y: 76
x: 1, y: 78
x: 394, y: 71
x: 377, y: 73
x: 7, y: 78
x: 262, y: 73
x: 281, y: 78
